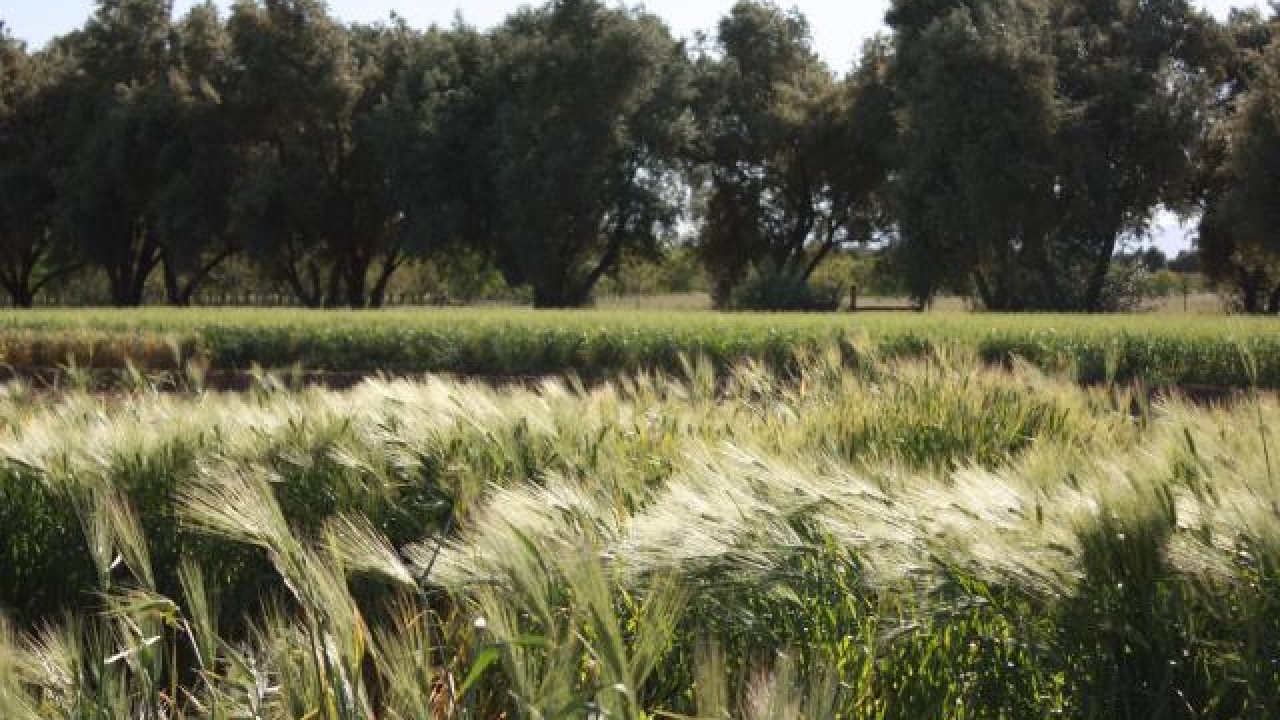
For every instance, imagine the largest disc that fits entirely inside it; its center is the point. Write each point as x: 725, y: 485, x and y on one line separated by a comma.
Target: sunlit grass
x: 854, y: 537
x: 598, y: 344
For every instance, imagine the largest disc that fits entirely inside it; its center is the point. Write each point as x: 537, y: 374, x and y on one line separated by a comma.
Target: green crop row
x: 1211, y: 351
x: 856, y: 538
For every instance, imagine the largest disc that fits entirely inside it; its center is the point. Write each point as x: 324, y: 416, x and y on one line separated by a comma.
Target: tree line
x: 1006, y: 150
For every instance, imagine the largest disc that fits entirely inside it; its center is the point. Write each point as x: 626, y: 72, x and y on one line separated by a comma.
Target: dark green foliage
x: 1005, y: 151
x: 121, y: 103
x: 31, y: 252
x: 767, y: 290
x: 789, y: 160
x: 586, y: 126
x: 1038, y: 136
x: 1238, y: 242
x: 202, y: 161
x: 974, y: 177
x: 425, y: 130
x: 315, y: 205
x: 1132, y: 81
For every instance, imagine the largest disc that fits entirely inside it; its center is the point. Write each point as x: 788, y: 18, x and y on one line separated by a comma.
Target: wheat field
x: 856, y: 537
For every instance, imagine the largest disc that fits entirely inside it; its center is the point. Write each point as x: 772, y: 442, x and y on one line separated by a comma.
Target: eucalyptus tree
x: 789, y: 157
x: 1039, y: 135
x: 377, y: 244
x: 200, y: 158
x: 117, y: 115
x: 135, y: 154
x: 428, y: 132
x: 13, y: 69
x: 1132, y: 86
x: 315, y: 207
x: 1238, y: 243
x: 975, y: 179
x: 588, y: 121
x: 292, y: 95
x: 31, y: 256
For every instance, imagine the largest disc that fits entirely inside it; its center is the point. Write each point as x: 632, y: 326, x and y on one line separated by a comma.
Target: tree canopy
x: 793, y: 156
x: 1006, y: 150
x: 1038, y: 136
x: 586, y: 129
x: 1239, y: 242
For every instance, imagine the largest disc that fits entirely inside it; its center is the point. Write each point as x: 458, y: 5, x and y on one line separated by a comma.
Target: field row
x: 1161, y: 350
x: 859, y: 539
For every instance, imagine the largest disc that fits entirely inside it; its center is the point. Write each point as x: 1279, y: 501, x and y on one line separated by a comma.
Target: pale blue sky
x: 839, y: 27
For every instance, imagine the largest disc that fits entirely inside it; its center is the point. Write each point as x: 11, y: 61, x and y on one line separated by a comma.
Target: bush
x: 776, y: 292
x: 1129, y: 288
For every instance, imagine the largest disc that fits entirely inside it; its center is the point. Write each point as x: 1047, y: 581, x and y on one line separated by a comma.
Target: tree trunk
x: 179, y: 293
x: 172, y: 288
x: 21, y: 296
x: 127, y: 276
x: 828, y: 245
x: 332, y: 297
x: 356, y: 276
x: 127, y: 286
x: 1273, y: 302
x: 560, y: 294
x: 984, y: 290
x: 1098, y: 276
x: 17, y: 282
x: 612, y: 254
x: 1049, y: 278
x: 300, y: 273
x: 1250, y: 291
x: 19, y: 275
x: 378, y: 296
x: 299, y: 288
x: 562, y: 291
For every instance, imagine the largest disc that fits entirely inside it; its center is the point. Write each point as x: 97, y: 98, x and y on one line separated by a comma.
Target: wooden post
x: 853, y: 298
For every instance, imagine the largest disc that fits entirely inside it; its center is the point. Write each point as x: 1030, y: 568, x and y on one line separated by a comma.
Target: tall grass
x: 853, y: 537
x: 1158, y: 349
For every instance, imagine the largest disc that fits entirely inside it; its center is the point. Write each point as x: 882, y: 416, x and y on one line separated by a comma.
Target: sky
x: 839, y: 28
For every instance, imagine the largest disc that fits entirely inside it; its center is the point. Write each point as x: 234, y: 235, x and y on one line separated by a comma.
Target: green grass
x: 1157, y: 349
x: 858, y: 537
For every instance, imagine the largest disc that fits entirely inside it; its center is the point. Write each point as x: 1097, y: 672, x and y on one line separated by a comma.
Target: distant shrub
x: 1130, y: 287
x: 778, y: 292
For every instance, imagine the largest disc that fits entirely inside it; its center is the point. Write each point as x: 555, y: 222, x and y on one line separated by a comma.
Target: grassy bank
x: 1212, y: 351
x: 865, y: 538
